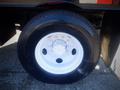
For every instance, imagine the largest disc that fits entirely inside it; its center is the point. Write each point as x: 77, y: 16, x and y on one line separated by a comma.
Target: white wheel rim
x: 59, y: 53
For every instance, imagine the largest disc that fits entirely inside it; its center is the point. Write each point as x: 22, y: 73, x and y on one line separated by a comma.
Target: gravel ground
x: 14, y: 77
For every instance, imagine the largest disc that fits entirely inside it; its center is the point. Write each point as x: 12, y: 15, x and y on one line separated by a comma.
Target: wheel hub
x: 59, y: 53
x: 59, y: 47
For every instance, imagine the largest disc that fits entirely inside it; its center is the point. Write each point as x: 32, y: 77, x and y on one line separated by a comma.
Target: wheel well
x: 94, y: 17
x: 22, y: 16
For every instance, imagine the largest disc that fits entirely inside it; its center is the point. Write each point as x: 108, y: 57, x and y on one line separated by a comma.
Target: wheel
x: 58, y: 47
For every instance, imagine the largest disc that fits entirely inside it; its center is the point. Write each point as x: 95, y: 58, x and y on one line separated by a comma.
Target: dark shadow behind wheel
x: 7, y: 28
x: 58, y: 21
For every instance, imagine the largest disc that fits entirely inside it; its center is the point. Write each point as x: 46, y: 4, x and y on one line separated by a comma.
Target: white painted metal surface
x: 115, y: 66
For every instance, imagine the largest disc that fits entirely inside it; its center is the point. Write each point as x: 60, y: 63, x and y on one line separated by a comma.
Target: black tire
x: 54, y: 21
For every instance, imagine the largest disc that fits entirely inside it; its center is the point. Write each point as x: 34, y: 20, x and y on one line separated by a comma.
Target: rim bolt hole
x: 44, y: 51
x: 59, y: 60
x: 74, y: 51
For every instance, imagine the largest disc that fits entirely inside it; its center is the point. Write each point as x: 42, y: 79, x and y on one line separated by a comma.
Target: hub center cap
x: 59, y: 47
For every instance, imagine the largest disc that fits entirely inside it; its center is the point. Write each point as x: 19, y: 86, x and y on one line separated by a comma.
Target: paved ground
x: 13, y: 76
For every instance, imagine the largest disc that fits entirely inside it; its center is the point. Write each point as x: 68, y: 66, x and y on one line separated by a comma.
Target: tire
x: 54, y: 24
